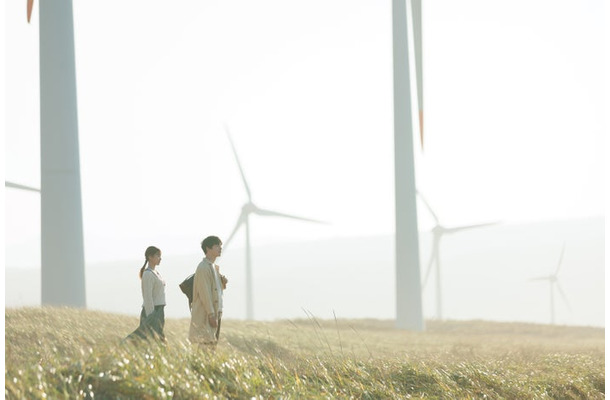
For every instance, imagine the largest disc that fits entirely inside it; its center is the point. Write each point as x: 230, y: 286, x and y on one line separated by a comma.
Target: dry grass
x: 67, y: 353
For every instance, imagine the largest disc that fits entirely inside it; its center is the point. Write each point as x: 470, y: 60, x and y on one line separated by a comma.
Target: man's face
x: 215, y: 250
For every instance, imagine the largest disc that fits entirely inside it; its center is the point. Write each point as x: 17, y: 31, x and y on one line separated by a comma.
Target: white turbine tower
x: 554, y: 283
x: 62, y: 253
x: 438, y: 231
x: 247, y: 209
x: 409, y: 313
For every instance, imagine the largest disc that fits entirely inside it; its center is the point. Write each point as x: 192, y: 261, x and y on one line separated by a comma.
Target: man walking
x: 208, y: 284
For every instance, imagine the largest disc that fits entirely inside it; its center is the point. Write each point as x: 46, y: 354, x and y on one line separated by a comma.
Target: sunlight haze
x: 514, y: 133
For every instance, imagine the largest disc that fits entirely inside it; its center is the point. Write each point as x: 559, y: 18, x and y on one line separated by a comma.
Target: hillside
x: 67, y: 353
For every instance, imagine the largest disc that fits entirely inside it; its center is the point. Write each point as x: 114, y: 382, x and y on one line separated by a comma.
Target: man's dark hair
x: 210, y: 242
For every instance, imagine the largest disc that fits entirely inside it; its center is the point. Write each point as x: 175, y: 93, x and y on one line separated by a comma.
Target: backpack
x: 187, y: 288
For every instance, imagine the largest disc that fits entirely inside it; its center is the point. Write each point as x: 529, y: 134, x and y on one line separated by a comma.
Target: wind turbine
x: 554, y: 283
x: 409, y: 313
x: 62, y: 252
x: 438, y: 231
x: 250, y: 208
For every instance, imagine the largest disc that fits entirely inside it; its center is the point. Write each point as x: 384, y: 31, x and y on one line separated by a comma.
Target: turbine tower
x: 554, y: 283
x: 438, y: 231
x: 62, y: 253
x: 408, y: 287
x: 250, y: 208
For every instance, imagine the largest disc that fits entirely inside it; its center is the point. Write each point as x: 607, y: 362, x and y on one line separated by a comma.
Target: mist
x: 485, y: 275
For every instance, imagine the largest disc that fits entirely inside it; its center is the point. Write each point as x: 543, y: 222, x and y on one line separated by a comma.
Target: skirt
x: 151, y: 326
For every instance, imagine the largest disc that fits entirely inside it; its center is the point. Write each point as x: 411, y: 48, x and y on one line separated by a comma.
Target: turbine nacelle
x: 438, y: 230
x: 249, y: 208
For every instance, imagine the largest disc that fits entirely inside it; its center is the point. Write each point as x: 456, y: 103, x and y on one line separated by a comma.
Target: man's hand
x: 212, y: 320
x: 223, y: 278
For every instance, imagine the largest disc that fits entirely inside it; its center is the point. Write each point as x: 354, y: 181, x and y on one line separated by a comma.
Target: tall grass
x: 65, y: 353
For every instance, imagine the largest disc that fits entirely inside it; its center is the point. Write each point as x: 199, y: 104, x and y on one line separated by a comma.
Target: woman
x: 152, y: 317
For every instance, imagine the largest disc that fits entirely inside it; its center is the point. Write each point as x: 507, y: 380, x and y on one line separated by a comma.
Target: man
x: 208, y: 284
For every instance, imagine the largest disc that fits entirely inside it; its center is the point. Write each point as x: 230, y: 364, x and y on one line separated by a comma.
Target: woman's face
x: 155, y: 260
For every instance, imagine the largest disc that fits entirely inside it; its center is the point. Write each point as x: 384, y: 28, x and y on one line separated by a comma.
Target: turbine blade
x: 240, y: 221
x: 30, y: 7
x: 269, y: 213
x: 466, y: 227
x: 432, y: 258
x: 560, y: 259
x: 421, y: 196
x: 18, y: 186
x: 540, y: 278
x: 416, y: 9
x: 563, y: 296
x: 241, y: 171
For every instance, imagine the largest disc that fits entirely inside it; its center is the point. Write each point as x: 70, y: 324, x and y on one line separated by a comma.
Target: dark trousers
x: 150, y: 326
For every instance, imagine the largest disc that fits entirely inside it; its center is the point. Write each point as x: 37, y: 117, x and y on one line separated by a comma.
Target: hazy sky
x: 514, y: 118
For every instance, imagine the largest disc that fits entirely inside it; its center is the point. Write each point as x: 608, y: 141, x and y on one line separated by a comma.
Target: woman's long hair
x: 150, y: 251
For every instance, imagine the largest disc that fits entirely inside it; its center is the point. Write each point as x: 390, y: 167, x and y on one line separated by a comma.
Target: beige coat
x: 205, y: 303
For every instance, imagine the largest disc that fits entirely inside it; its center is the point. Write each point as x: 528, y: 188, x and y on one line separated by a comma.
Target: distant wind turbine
x: 247, y: 209
x: 438, y: 231
x: 554, y: 283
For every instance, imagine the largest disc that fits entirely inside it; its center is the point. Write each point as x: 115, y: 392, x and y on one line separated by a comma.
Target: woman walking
x: 152, y: 317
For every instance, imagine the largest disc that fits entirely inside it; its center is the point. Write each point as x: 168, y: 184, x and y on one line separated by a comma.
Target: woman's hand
x: 212, y: 320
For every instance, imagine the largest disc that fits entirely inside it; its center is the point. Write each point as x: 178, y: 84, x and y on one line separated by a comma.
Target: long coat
x: 205, y: 303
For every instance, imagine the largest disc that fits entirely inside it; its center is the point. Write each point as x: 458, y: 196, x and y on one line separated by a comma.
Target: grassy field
x: 61, y: 353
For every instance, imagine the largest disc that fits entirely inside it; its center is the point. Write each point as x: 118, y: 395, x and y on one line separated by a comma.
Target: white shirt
x: 153, y: 290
